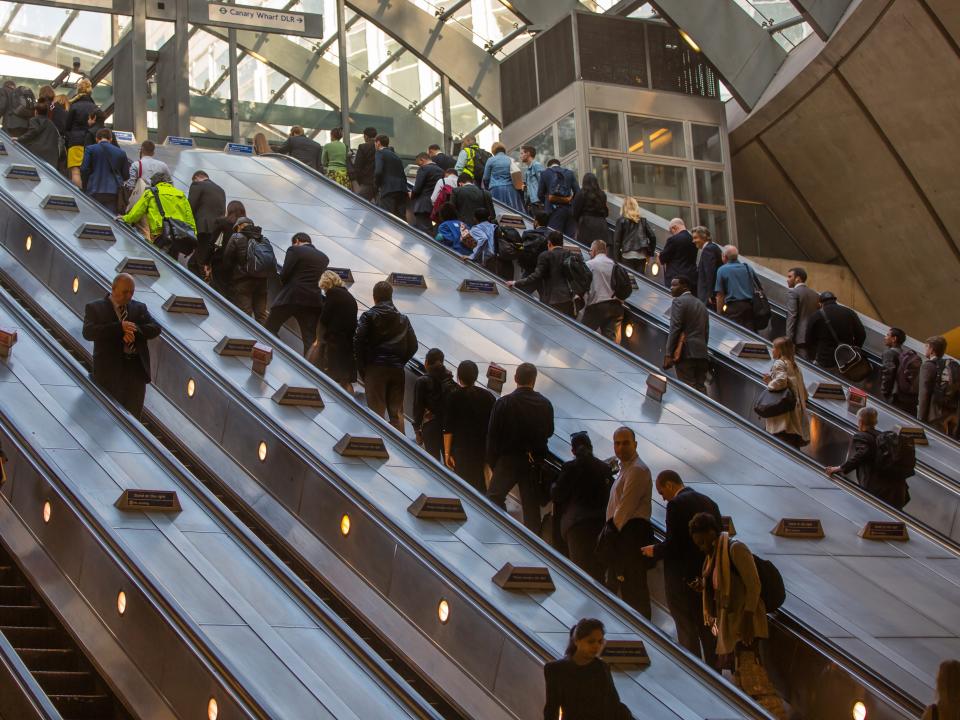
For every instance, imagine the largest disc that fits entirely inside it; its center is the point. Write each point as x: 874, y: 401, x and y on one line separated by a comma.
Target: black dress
x: 339, y: 322
x: 583, y: 692
x: 590, y: 213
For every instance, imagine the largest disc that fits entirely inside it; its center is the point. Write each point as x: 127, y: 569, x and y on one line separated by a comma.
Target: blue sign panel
x: 238, y: 148
x: 178, y: 141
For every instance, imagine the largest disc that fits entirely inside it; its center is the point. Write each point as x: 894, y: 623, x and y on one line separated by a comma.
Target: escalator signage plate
x: 22, y: 172
x: 515, y: 577
x: 60, y: 202
x: 179, y: 141
x: 656, y: 386
x: 409, y: 280
x: 799, y: 528
x: 125, y: 136
x: 138, y: 266
x: 238, y: 148
x: 827, y: 391
x: 884, y: 530
x: 437, y: 508
x: 299, y: 396
x: 235, y: 347
x: 512, y: 221
x: 486, y: 287
x: 94, y: 231
x: 345, y: 274
x: 186, y: 305
x: 357, y: 446
x: 751, y: 350
x: 917, y: 434
x: 625, y: 652
x: 148, y: 501
x: 3, y: 149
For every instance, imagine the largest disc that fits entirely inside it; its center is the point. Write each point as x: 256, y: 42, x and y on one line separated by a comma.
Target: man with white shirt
x: 602, y: 312
x: 802, y: 304
x: 628, y: 521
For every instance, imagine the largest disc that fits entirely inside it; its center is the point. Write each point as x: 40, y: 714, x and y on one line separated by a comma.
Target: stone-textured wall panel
x: 948, y: 11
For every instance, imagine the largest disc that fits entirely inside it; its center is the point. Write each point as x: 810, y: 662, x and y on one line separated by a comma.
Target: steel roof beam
x: 822, y: 15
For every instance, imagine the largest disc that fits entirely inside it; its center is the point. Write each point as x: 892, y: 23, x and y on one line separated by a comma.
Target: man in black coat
x: 444, y: 162
x: 832, y: 325
x: 364, y: 165
x: 466, y: 420
x: 547, y: 279
x: 683, y: 563
x: 391, y: 178
x: 430, y: 392
x: 711, y: 258
x: 299, y: 295
x: 427, y: 177
x: 209, y: 203
x: 382, y: 346
x: 120, y: 327
x: 470, y: 197
x: 679, y: 255
x: 521, y: 423
x: 302, y: 148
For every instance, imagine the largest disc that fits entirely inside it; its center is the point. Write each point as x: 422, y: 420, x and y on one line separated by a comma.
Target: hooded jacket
x: 384, y: 337
x: 235, y: 251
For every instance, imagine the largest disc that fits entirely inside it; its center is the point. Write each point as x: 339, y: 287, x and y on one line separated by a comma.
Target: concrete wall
x: 821, y: 276
x: 855, y: 146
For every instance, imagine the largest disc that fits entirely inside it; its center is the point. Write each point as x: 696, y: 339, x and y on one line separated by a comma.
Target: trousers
x: 384, y: 387
x: 395, y: 203
x: 693, y: 372
x: 741, y: 312
x: 516, y: 470
x: 307, y: 317
x: 581, y: 542
x: 686, y: 608
x: 128, y: 387
x: 605, y: 318
x: 250, y: 295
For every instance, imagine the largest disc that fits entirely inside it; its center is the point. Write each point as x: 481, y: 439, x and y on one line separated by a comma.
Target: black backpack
x: 261, y: 262
x: 772, y: 590
x: 908, y: 372
x: 509, y: 244
x: 576, y: 273
x: 946, y: 387
x: 620, y: 283
x: 23, y: 102
x: 896, y: 456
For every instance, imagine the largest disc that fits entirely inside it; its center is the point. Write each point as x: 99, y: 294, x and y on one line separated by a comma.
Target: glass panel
x: 668, y: 212
x: 710, y: 187
x: 609, y: 172
x: 567, y: 135
x: 706, y: 143
x: 655, y: 137
x: 604, y: 130
x: 716, y: 221
x: 659, y: 181
x: 544, y: 145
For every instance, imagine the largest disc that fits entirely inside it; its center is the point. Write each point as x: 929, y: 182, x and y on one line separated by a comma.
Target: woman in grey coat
x: 41, y: 136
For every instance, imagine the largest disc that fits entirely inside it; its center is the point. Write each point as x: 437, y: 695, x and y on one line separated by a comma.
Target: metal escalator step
x: 34, y: 637
x: 83, y: 707
x: 6, y: 574
x: 63, y: 659
x: 23, y: 615
x: 69, y: 682
x: 16, y: 594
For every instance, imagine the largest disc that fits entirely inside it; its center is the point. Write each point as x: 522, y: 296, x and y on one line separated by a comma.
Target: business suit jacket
x: 689, y: 316
x: 102, y: 326
x: 303, y: 149
x: 548, y: 278
x: 364, y: 164
x: 711, y: 258
x: 802, y: 304
x: 679, y: 255
x: 389, y: 172
x: 682, y: 560
x: 427, y: 177
x: 103, y: 168
x: 209, y: 203
x: 846, y: 324
x: 300, y: 277
x: 469, y: 198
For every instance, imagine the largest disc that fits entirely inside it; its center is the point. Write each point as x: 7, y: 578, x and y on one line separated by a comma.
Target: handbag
x: 771, y: 403
x: 759, y: 302
x: 850, y: 360
x: 176, y: 237
x: 751, y: 677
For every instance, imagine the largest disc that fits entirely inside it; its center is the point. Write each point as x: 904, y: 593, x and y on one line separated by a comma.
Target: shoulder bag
x: 772, y: 403
x: 849, y: 359
x: 761, y: 306
x: 176, y: 236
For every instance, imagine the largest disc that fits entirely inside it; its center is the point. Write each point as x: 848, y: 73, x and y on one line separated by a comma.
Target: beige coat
x: 784, y: 374
x: 728, y: 592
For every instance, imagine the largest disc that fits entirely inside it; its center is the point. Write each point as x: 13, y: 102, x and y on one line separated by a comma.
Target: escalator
x: 303, y: 490
x: 212, y: 620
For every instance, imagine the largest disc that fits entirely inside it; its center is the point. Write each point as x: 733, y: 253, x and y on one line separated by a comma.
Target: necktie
x: 128, y: 348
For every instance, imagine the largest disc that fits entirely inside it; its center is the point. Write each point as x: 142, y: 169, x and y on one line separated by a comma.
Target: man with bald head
x: 120, y: 327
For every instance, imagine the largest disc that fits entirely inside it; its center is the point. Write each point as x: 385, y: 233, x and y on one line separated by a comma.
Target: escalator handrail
x: 531, y: 543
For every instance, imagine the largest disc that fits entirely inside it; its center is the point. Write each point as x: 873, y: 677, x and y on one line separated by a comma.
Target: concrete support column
x: 130, y: 77
x: 173, y: 86
x: 343, y: 69
x: 234, y: 87
x: 445, y: 113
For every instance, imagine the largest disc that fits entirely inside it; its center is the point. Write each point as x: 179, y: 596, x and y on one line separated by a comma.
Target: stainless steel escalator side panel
x: 541, y: 625
x: 701, y: 440
x: 250, y: 628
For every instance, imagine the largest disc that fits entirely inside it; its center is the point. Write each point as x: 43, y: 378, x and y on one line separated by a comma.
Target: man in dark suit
x: 427, y: 177
x: 470, y: 197
x: 120, y: 327
x: 390, y: 178
x: 711, y: 258
x: 831, y: 325
x: 364, y: 165
x: 302, y: 148
x: 103, y: 170
x: 209, y: 203
x: 683, y: 563
x: 299, y: 295
x: 690, y: 330
x: 679, y: 255
x: 443, y: 161
x: 802, y: 303
x: 466, y: 419
x: 548, y: 279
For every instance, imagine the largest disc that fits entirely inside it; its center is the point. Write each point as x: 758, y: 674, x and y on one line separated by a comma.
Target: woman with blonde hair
x: 947, y: 706
x: 792, y: 426
x: 260, y: 144
x: 76, y: 126
x: 338, y: 321
x: 633, y: 238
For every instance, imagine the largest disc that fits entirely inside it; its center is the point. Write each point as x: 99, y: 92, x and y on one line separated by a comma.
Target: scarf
x: 717, y: 580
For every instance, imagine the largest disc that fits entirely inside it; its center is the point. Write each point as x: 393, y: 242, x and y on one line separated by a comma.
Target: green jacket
x: 334, y: 155
x: 174, y: 202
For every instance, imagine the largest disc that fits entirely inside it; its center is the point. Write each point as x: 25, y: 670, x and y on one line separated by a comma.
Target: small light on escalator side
x: 345, y: 525
x: 724, y: 307
x: 191, y: 387
x: 121, y: 602
x: 655, y: 269
x: 213, y: 710
x: 262, y: 451
x: 628, y: 331
x: 443, y: 611
x: 76, y: 285
x: 46, y: 511
x: 859, y: 711
x: 29, y: 242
